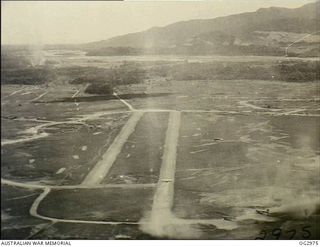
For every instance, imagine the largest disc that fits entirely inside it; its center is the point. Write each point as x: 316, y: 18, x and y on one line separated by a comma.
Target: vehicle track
x: 163, y: 197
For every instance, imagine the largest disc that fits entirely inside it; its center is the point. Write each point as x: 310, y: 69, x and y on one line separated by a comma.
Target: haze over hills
x: 267, y: 31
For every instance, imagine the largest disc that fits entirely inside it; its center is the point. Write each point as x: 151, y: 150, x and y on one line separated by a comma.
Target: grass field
x: 162, y: 159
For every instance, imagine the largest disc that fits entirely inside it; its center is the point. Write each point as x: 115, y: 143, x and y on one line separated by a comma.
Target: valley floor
x: 172, y: 160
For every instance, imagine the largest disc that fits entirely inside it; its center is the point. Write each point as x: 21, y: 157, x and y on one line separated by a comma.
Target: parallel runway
x: 165, y: 218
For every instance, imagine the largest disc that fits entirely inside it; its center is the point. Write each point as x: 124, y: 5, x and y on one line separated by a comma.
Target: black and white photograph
x: 160, y: 120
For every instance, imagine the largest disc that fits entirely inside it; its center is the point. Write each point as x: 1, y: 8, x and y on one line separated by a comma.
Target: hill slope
x: 239, y: 33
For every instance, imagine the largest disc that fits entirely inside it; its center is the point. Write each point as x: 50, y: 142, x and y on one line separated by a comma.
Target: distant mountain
x: 268, y: 30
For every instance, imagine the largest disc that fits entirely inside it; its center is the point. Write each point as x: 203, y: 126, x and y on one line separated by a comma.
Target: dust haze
x: 194, y: 120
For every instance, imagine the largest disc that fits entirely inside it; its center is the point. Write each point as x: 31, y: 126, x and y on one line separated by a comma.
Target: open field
x: 163, y: 159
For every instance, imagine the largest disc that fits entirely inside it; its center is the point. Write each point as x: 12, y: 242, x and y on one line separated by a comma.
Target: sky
x: 72, y: 22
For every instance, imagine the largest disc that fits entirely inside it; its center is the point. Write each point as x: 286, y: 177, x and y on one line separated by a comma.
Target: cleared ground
x: 188, y: 160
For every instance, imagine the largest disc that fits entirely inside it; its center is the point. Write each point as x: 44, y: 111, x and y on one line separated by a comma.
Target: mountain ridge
x: 217, y: 31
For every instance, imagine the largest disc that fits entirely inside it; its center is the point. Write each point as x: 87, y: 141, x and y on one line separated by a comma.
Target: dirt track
x: 210, y: 188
